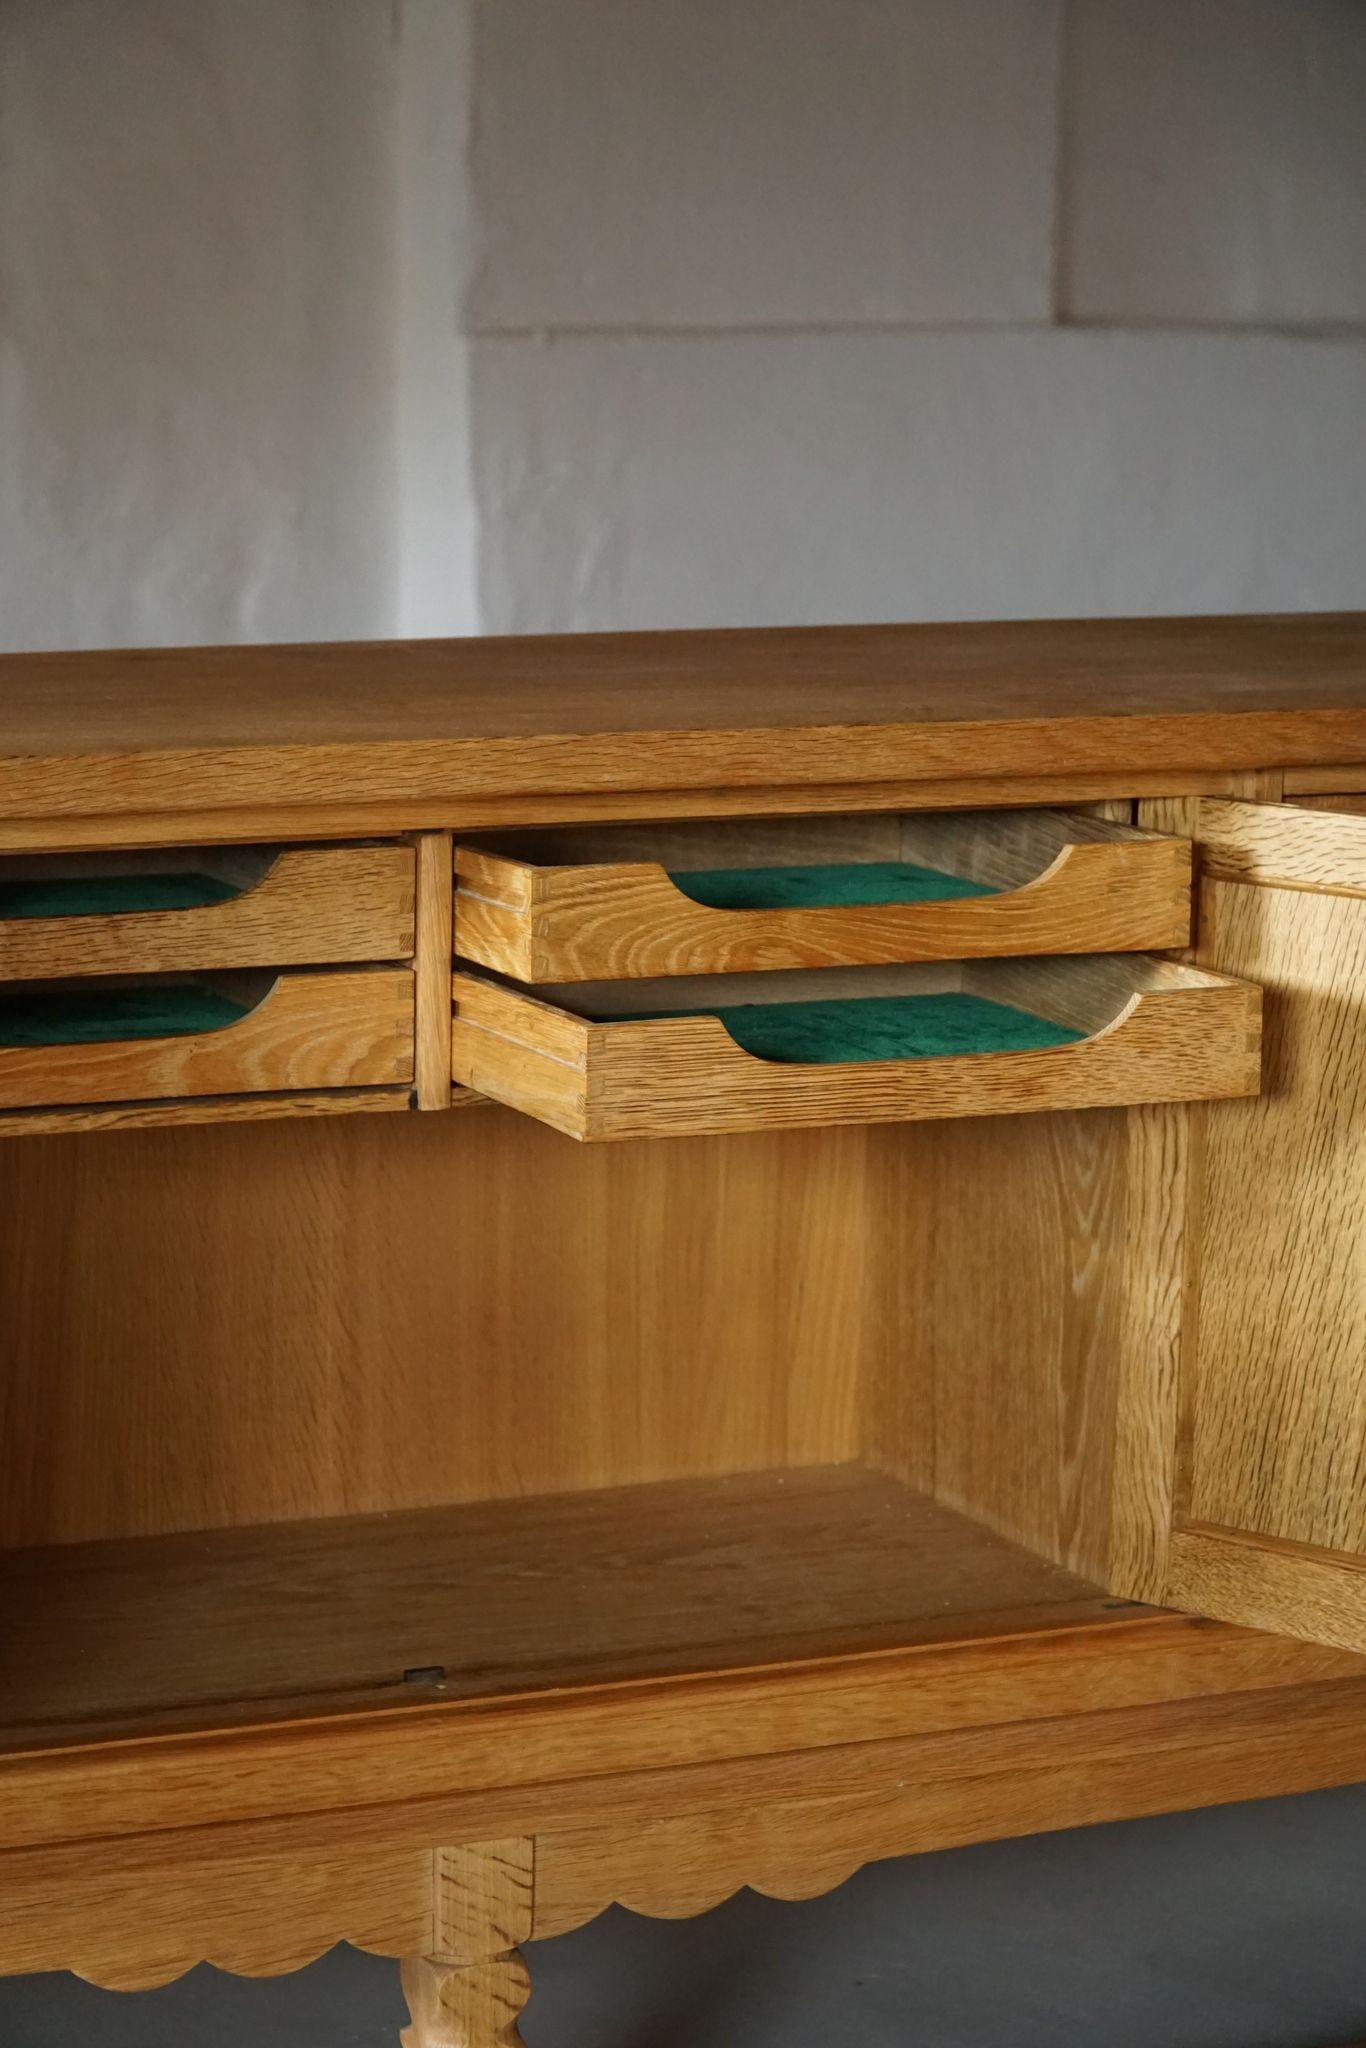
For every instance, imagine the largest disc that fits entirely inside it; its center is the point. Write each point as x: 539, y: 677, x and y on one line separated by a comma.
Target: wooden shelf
x: 561, y: 1591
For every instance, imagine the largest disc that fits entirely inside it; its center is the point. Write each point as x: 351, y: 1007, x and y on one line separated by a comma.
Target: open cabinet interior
x: 319, y: 1417
x: 633, y: 1265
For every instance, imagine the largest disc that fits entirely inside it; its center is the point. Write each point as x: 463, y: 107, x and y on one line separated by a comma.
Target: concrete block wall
x: 196, y: 349
x: 323, y: 318
x: 836, y: 309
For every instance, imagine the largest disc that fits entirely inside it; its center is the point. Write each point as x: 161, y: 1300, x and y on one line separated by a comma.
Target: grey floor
x: 1244, y: 1927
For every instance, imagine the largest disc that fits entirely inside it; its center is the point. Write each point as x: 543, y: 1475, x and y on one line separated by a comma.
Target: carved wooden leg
x: 469, y: 1990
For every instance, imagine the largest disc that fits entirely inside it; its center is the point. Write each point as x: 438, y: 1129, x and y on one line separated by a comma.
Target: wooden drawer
x: 799, y: 893
x: 234, y: 1035
x: 1136, y: 1029
x: 194, y: 908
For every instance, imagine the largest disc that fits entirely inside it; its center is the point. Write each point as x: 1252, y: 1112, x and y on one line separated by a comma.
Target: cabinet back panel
x: 217, y: 1327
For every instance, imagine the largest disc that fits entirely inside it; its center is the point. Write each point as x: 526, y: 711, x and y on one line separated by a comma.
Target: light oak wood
x: 1350, y: 806
x: 1066, y: 885
x: 314, y: 905
x: 1156, y: 1032
x: 483, y: 1899
x: 1159, y: 1278
x: 474, y: 2006
x: 1276, y: 1413
x: 488, y: 1768
x: 131, y: 1925
x: 1294, y: 1589
x: 431, y: 968
x: 348, y: 1281
x: 315, y: 816
x: 146, y: 1906
x: 1312, y: 782
x: 682, y: 1863
x: 343, y: 1029
x: 140, y: 732
x: 1285, y: 845
x: 477, y: 1602
x: 469, y: 1989
x: 1253, y: 1429
x: 289, y: 1397
x: 1029, y: 1333
x: 205, y: 1109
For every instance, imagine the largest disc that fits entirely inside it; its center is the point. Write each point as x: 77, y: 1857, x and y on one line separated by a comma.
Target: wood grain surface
x: 1065, y: 885
x: 204, y: 1109
x: 1286, y: 845
x: 431, y: 968
x: 1156, y: 1032
x: 683, y: 1863
x: 211, y: 1629
x: 1027, y: 1339
x: 138, y: 733
x: 654, y: 1312
x: 320, y: 816
x: 512, y: 1765
x: 338, y: 1029
x: 131, y: 1925
x: 313, y: 905
x: 1277, y: 1408
x: 268, y: 1895
x: 470, y: 1984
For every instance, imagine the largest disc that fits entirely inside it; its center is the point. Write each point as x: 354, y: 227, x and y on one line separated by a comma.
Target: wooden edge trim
x: 1349, y: 780
x: 1319, y: 1597
x: 282, y: 821
x: 524, y: 1020
x: 500, y: 1750
x: 1289, y: 846
x: 677, y: 1864
x: 205, y: 1109
x: 531, y: 1022
x: 432, y: 959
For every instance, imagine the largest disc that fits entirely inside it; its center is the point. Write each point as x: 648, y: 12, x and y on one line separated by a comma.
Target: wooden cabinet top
x: 310, y: 736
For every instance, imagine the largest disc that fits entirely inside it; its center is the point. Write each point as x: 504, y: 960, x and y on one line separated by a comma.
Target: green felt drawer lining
x: 858, y: 1029
x: 816, y: 888
x: 91, y: 1016
x: 109, y: 895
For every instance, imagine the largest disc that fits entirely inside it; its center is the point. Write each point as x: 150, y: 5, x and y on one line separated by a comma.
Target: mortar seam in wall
x: 1059, y: 282
x: 551, y: 331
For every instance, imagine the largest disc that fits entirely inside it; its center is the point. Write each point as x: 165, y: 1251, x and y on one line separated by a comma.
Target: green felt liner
x: 817, y: 888
x: 87, y: 1016
x: 109, y: 895
x: 859, y: 1029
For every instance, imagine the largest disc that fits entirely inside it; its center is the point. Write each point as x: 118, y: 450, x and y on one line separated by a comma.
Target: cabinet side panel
x: 1000, y: 1352
x: 1276, y: 1412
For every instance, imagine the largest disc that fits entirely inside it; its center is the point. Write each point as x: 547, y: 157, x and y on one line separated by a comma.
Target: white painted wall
x: 839, y: 309
x: 196, y: 336
x: 348, y: 317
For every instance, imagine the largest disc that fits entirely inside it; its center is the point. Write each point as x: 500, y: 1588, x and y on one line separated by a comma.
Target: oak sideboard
x: 638, y: 1264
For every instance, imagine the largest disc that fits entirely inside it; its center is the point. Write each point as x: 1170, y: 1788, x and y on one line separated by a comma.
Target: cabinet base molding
x: 265, y: 1899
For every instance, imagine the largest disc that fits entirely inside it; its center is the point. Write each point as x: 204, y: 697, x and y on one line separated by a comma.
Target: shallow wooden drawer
x: 205, y: 907
x: 1127, y: 1029
x: 795, y: 893
x: 239, y: 1034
